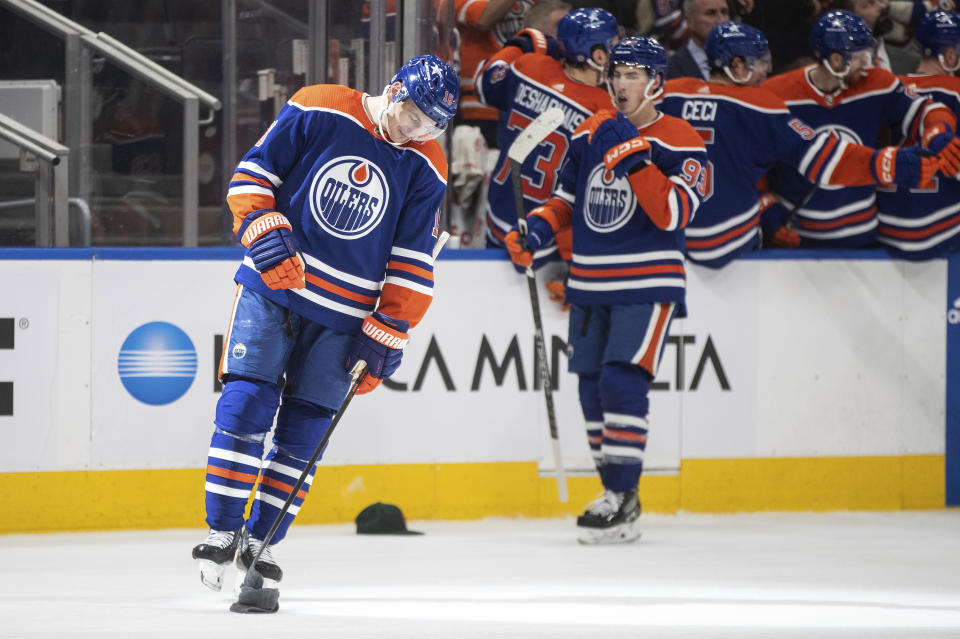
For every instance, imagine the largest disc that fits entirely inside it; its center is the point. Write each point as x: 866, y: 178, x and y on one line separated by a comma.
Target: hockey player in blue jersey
x: 747, y: 130
x: 337, y: 206
x: 923, y: 222
x: 629, y: 186
x: 521, y: 85
x: 845, y: 93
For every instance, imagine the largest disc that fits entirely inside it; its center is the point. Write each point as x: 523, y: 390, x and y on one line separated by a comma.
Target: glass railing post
x: 191, y: 140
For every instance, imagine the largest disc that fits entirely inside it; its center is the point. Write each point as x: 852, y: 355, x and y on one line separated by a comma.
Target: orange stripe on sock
x: 231, y: 474
x: 279, y: 485
x: 626, y: 436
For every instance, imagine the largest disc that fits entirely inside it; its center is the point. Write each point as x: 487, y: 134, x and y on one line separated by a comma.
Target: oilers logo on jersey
x: 610, y: 203
x: 348, y: 197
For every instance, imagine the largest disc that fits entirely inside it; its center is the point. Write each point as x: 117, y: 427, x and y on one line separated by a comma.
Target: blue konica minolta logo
x: 157, y: 363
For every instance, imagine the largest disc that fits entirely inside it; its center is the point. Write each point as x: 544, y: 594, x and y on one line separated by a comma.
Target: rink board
x: 794, y: 384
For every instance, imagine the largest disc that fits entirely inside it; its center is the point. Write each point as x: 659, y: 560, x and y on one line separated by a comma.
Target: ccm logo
x: 886, y: 165
x: 625, y: 148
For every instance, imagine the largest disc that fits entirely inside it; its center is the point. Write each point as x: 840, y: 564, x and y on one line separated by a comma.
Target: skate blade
x: 622, y: 534
x: 211, y: 574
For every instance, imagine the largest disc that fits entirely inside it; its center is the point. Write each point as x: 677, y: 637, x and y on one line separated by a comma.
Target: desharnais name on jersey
x: 847, y: 216
x: 522, y: 86
x: 747, y: 130
x: 364, y: 212
x: 628, y: 232
x: 923, y: 223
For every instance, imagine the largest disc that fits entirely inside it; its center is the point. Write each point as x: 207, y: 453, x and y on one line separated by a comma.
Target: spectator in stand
x: 690, y: 61
x: 786, y: 24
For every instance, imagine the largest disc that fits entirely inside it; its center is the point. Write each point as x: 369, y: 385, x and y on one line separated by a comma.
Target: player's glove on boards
x: 539, y: 234
x: 380, y: 344
x: 615, y: 139
x: 268, y: 236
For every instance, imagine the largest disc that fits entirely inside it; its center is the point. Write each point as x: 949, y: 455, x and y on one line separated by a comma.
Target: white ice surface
x: 757, y: 575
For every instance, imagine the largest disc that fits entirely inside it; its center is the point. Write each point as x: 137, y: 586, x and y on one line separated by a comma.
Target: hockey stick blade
x: 531, y: 137
x: 438, y: 246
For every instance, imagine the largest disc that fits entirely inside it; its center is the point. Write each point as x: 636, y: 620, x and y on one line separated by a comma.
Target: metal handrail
x: 26, y: 138
x: 51, y: 229
x: 118, y: 52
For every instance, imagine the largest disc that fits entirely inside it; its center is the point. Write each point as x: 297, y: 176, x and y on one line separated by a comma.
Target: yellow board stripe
x: 142, y: 499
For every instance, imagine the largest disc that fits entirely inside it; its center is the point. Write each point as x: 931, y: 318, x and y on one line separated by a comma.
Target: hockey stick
x: 529, y: 139
x: 788, y: 218
x: 439, y: 244
x: 254, y: 598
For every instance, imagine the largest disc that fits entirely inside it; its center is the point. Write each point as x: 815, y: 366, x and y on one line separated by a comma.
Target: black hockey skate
x: 258, y: 589
x: 612, y: 518
x: 266, y: 565
x: 214, y: 554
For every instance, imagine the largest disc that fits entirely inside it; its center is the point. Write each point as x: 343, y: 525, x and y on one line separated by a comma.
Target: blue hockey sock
x: 244, y: 415
x: 232, y: 467
x: 623, y: 392
x: 589, y: 390
x: 301, y: 426
x: 280, y: 474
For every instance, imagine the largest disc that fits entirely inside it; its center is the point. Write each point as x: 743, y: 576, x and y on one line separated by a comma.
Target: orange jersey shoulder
x: 945, y: 82
x: 334, y: 97
x: 791, y: 85
x: 590, y: 124
x: 674, y: 132
x: 542, y: 69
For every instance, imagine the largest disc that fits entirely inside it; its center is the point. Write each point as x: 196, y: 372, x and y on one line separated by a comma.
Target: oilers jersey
x: 620, y: 256
x: 522, y: 86
x: 835, y: 216
x: 747, y: 130
x: 923, y: 223
x: 364, y: 213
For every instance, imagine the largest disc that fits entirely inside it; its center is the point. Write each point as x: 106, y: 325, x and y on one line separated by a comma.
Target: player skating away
x: 628, y: 188
x: 522, y: 86
x: 340, y: 194
x: 747, y: 130
x: 843, y: 92
x: 923, y: 223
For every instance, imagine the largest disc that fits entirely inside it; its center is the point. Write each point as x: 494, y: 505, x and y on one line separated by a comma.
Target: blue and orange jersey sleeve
x: 670, y: 188
x: 408, y: 287
x: 493, y: 82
